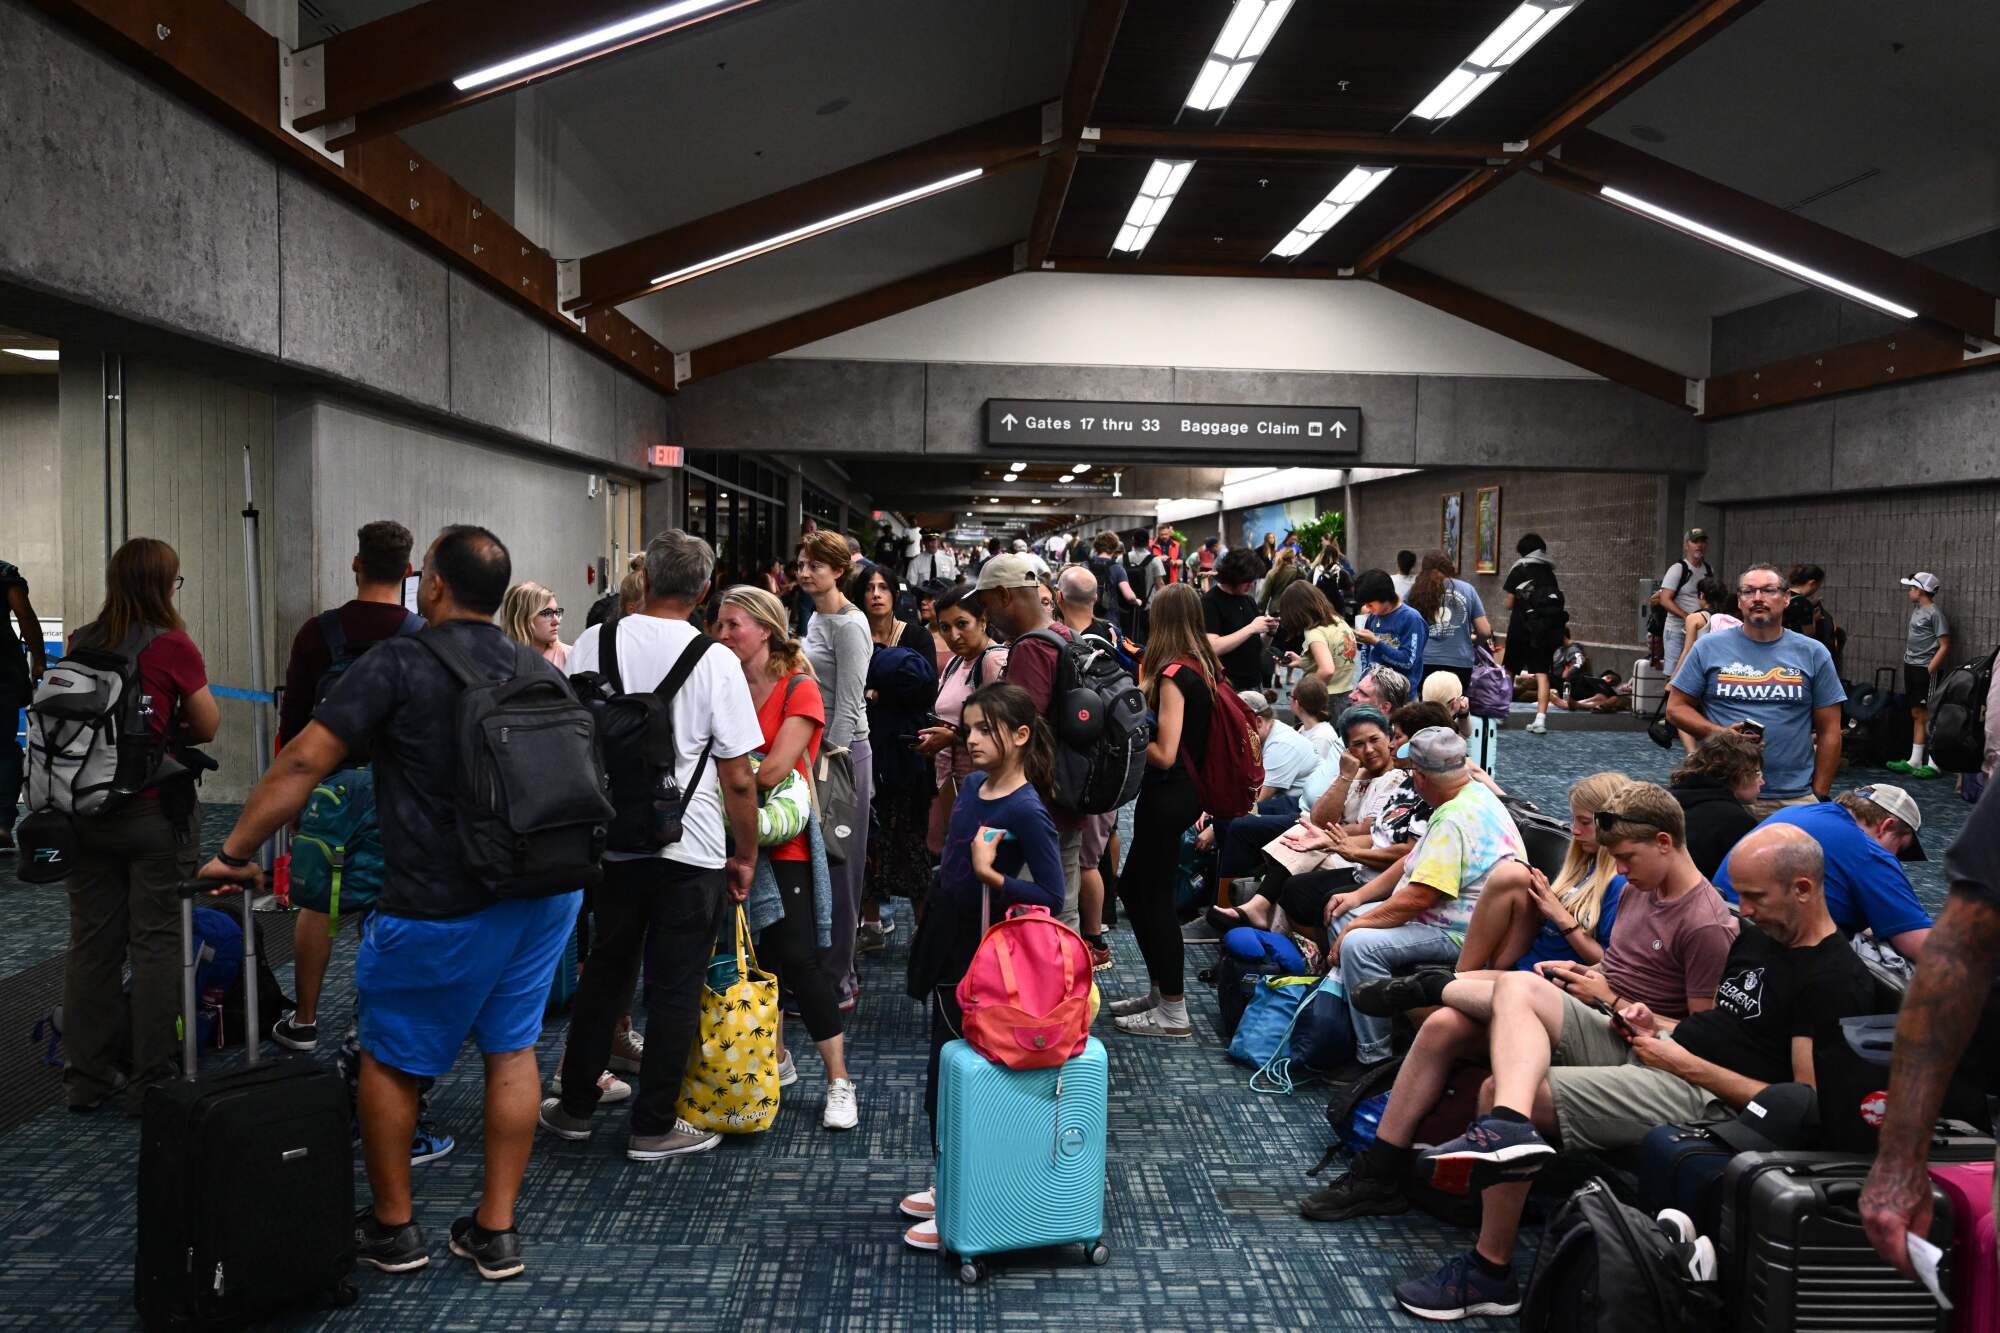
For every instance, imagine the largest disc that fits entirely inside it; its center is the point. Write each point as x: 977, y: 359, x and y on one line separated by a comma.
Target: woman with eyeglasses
x: 530, y: 617
x: 128, y: 858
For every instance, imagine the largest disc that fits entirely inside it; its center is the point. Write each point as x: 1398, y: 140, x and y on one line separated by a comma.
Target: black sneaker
x: 391, y: 1249
x: 295, y: 1036
x: 1359, y: 1193
x: 1387, y: 997
x: 496, y: 1254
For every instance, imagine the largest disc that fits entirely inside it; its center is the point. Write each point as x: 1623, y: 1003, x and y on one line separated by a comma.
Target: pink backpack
x: 1026, y: 997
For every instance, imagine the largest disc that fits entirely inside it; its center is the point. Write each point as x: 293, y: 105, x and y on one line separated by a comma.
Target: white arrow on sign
x: 1008, y: 420
x: 1339, y: 428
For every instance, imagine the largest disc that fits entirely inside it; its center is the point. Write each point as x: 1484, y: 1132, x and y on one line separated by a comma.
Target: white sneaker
x: 922, y: 1204
x: 1679, y: 1223
x: 1701, y: 1264
x: 841, y: 1111
x: 922, y: 1236
x: 788, y: 1073
x: 1539, y: 725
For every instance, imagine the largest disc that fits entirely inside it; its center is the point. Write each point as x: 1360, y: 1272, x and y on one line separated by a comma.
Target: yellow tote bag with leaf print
x: 731, y: 1085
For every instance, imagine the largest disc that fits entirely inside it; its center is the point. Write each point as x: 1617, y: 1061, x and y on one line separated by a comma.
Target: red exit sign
x: 668, y: 455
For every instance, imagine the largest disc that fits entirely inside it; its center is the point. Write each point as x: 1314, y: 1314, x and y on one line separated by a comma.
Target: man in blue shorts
x: 441, y: 958
x: 1864, y: 833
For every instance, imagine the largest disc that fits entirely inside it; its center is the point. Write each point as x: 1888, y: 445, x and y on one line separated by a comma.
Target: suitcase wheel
x: 970, y: 1271
x: 1100, y: 1254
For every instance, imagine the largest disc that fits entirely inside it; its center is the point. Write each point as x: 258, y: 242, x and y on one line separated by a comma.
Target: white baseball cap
x: 1927, y: 582
x: 1901, y: 805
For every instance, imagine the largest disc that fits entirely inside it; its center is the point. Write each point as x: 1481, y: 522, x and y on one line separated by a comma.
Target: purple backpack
x: 1491, y: 693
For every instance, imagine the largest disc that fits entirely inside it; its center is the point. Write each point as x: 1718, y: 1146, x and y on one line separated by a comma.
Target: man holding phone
x: 1770, y: 683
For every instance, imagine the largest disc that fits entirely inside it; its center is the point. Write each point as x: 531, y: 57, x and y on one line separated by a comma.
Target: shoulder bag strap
x: 452, y: 657
x: 333, y: 634
x: 607, y: 653
x: 684, y: 666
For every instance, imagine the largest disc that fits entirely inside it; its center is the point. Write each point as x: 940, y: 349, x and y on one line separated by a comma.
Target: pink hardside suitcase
x: 1975, y: 1294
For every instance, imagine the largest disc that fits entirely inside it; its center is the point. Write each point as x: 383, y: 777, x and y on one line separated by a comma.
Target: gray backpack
x: 89, y: 745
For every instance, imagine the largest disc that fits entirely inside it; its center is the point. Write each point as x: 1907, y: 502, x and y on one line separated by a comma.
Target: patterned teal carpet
x: 797, y: 1229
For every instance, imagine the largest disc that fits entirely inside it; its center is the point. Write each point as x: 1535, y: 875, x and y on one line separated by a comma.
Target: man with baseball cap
x: 1680, y: 593
x: 1924, y: 656
x: 1863, y: 834
x: 1423, y: 919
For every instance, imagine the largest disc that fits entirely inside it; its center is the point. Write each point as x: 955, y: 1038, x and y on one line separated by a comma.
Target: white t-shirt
x: 1402, y: 583
x: 1325, y: 740
x: 713, y: 704
x: 1683, y: 580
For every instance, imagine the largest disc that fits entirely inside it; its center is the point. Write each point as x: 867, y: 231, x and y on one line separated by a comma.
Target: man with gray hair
x: 1381, y: 687
x: 674, y: 895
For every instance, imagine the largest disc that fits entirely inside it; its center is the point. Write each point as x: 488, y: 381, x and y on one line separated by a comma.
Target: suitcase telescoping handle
x: 189, y: 890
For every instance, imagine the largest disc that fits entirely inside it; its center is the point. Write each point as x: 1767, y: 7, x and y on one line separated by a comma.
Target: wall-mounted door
x: 622, y: 539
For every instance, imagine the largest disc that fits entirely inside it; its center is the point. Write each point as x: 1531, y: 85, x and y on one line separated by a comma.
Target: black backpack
x: 342, y: 654
x: 636, y: 735
x: 1101, y: 730
x: 1543, y: 605
x: 1958, y: 717
x: 1656, y: 618
x: 1606, y: 1267
x: 1101, y: 567
x: 529, y: 799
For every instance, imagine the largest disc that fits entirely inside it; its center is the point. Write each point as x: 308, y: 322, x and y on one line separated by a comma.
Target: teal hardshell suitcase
x: 1021, y: 1158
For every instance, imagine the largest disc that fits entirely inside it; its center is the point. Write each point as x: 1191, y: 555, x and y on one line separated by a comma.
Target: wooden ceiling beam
x: 1918, y: 352
x: 614, y: 276
x: 1687, y: 33
x: 397, y: 71
x: 852, y: 312
x: 1508, y: 321
x: 1588, y: 163
x: 1088, y: 62
x: 1254, y: 145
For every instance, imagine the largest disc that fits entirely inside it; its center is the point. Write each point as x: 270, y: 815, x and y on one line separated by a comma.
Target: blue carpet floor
x: 796, y: 1229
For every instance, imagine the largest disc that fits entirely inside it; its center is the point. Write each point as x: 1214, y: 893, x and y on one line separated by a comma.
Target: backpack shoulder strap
x: 454, y: 659
x: 412, y: 624
x: 607, y: 653
x: 332, y: 633
x: 684, y: 666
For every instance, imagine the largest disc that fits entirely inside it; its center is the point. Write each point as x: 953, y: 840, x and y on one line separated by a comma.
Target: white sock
x: 1916, y: 756
x: 1173, y: 1013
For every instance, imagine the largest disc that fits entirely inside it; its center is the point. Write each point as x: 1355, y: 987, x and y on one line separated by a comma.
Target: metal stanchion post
x: 260, y: 720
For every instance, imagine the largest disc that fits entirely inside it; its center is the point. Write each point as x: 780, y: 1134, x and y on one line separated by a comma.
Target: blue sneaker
x: 1459, y: 1290
x: 427, y: 1145
x: 1490, y: 1152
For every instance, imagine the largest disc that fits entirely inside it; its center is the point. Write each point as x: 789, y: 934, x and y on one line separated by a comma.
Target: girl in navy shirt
x: 999, y: 828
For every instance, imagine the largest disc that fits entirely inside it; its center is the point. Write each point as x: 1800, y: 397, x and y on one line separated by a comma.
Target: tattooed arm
x: 1939, y: 1014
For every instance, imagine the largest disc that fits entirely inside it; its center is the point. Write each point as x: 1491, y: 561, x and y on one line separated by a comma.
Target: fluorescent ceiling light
x: 811, y: 229
x: 1066, y: 479
x: 1016, y: 467
x: 1355, y: 186
x: 548, y: 55
x: 1034, y: 500
x: 1514, y: 38
x: 35, y: 353
x: 1756, y: 253
x: 1156, y: 195
x: 1245, y: 35
x: 1080, y: 467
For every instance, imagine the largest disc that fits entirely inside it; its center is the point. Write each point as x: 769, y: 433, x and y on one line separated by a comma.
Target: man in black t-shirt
x: 1236, y: 631
x: 1789, y: 980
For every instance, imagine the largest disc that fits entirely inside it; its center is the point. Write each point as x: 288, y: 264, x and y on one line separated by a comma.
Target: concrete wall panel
x: 1786, y: 448
x: 1930, y: 433
x: 499, y: 363
x: 361, y: 304
x: 1388, y: 403
x: 642, y: 420
x: 816, y: 407
x: 115, y: 194
x: 583, y: 403
x: 1586, y: 424
x: 954, y: 410
x: 31, y: 485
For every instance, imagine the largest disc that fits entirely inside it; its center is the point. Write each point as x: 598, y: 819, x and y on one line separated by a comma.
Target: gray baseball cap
x: 1437, y: 750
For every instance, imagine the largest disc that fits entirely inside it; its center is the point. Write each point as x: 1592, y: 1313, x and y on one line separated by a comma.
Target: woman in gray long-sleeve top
x: 839, y: 647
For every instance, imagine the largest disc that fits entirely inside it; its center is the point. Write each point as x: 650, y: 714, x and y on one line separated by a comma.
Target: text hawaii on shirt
x: 1734, y: 678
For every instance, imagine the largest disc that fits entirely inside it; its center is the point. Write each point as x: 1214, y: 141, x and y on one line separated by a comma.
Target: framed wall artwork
x: 1451, y: 525
x: 1486, y: 531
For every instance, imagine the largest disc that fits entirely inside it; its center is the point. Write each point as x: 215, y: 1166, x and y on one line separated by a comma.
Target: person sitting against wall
x: 531, y: 618
x: 1715, y: 786
x: 122, y: 905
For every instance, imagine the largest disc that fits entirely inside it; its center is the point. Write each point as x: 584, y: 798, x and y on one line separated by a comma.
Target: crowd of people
x: 916, y: 707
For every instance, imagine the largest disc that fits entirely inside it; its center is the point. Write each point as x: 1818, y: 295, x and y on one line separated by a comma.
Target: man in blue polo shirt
x: 1864, y: 833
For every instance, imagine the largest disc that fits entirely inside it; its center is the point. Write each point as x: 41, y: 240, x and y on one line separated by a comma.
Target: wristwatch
x: 233, y: 862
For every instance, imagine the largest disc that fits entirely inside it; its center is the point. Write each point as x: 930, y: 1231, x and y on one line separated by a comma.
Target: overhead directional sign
x: 1171, y: 428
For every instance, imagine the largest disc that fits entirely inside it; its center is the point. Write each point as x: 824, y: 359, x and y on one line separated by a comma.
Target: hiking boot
x: 427, y: 1145
x: 1359, y: 1193
x: 295, y: 1036
x: 679, y: 1141
x: 1153, y: 1023
x: 496, y: 1254
x: 627, y: 1049
x: 1492, y: 1151
x: 1137, y: 1004
x: 398, y: 1249
x: 561, y: 1123
x: 1386, y: 997
x: 841, y: 1110
x: 1459, y: 1290
x: 788, y: 1072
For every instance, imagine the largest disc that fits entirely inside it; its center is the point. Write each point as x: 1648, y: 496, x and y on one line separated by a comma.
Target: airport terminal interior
x: 1614, y: 385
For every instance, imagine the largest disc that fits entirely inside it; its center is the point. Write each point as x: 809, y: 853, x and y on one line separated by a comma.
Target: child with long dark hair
x: 999, y: 827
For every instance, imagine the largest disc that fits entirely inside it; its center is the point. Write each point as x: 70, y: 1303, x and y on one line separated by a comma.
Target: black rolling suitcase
x: 1794, y: 1256
x: 1681, y: 1166
x: 246, y: 1179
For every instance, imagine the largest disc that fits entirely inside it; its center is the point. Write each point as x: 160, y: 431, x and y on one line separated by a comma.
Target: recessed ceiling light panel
x: 1355, y: 186
x: 1245, y: 36
x: 1156, y: 195
x: 1515, y: 37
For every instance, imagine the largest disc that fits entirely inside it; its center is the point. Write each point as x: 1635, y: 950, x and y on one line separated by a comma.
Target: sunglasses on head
x: 1609, y: 820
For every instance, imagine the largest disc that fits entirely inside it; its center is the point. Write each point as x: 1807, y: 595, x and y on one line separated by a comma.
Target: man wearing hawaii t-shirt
x: 1769, y: 682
